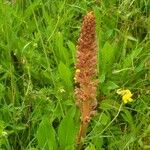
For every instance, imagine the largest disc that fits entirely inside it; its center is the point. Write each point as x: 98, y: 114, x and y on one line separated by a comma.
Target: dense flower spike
x: 85, y: 75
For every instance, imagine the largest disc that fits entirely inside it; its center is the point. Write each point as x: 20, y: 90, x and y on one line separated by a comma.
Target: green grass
x: 37, y: 57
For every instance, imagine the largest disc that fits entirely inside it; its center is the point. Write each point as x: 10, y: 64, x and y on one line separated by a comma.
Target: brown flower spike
x: 85, y: 76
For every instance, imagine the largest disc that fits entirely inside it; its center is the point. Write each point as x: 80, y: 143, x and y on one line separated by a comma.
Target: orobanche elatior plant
x: 86, y: 72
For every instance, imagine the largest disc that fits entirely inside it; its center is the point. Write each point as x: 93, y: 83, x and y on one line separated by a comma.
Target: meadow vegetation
x: 38, y: 41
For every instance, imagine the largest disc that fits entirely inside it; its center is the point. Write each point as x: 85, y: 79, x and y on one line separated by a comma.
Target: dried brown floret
x: 86, y: 72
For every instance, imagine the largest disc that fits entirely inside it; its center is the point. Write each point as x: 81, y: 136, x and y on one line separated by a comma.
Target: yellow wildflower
x: 126, y: 95
x: 75, y: 79
x: 78, y: 71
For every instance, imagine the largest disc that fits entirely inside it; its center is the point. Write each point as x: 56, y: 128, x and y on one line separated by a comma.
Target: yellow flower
x: 74, y: 78
x: 126, y: 95
x: 78, y: 70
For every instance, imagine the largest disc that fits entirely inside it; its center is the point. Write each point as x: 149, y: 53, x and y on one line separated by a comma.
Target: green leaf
x: 65, y: 74
x: 110, y: 104
x: 90, y: 147
x: 61, y: 52
x: 111, y: 85
x: 67, y: 131
x: 131, y: 38
x: 128, y: 62
x: 33, y: 6
x: 2, y: 90
x: 127, y: 116
x: 104, y: 119
x: 102, y: 77
x: 107, y: 56
x: 1, y: 128
x: 108, y: 86
x: 32, y: 148
x: 46, y: 135
x: 73, y: 50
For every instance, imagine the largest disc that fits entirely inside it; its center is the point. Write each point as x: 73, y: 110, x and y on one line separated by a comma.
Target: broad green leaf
x: 102, y: 77
x: 98, y: 27
x: 111, y: 85
x: 127, y: 116
x: 65, y: 74
x: 90, y: 147
x: 67, y: 131
x: 104, y: 119
x: 72, y: 49
x: 110, y: 104
x: 62, y: 52
x: 128, y: 62
x: 141, y: 65
x: 46, y: 135
x: 108, y: 86
x: 107, y: 57
x: 98, y: 141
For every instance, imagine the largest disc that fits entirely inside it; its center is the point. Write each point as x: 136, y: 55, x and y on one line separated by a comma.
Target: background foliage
x: 37, y: 57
